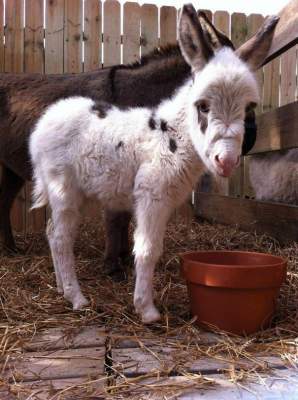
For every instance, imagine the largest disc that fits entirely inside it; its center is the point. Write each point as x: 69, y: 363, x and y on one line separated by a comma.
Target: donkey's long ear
x: 216, y: 38
x: 255, y: 50
x: 194, y: 46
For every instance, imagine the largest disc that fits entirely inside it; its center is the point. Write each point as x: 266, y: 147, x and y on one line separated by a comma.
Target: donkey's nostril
x: 217, y: 159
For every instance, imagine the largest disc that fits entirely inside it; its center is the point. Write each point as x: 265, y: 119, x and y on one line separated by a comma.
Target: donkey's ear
x: 194, y: 46
x: 255, y: 50
x: 216, y: 38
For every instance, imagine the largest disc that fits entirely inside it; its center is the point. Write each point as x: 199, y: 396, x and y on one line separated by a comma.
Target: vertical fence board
x: 14, y: 62
x: 1, y: 35
x: 254, y: 21
x: 222, y: 22
x: 271, y: 85
x: 111, y: 36
x: 149, y: 28
x: 131, y: 32
x: 54, y: 36
x: 168, y: 25
x: 73, y: 36
x: 238, y: 36
x: 34, y: 62
x: 288, y: 76
x: 92, y: 35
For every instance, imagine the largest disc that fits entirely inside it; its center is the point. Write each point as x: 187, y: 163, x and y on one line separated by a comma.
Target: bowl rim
x: 279, y: 260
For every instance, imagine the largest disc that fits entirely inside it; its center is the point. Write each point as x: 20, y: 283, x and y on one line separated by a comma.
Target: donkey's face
x: 224, y: 88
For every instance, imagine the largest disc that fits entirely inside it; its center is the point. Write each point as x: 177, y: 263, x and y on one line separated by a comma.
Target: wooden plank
x: 59, y: 364
x: 60, y: 389
x: 149, y: 28
x: 277, y: 129
x: 280, y: 385
x: 111, y: 36
x: 254, y: 21
x: 250, y: 215
x: 92, y: 35
x: 132, y: 362
x: 73, y: 36
x: 286, y: 32
x: 238, y: 36
x: 54, y: 36
x: 131, y: 32
x: 14, y: 62
x: 288, y: 83
x: 222, y: 22
x: 2, y: 36
x: 34, y: 62
x: 168, y: 25
x: 55, y: 339
x: 34, y: 35
x: 271, y: 85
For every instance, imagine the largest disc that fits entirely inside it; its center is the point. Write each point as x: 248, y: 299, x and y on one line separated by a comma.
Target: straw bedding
x: 29, y: 301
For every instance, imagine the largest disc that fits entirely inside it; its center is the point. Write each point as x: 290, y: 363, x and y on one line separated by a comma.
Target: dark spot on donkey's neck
x: 172, y: 145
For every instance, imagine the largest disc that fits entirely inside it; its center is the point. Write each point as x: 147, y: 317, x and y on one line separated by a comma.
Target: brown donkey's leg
x: 117, y: 245
x: 11, y: 184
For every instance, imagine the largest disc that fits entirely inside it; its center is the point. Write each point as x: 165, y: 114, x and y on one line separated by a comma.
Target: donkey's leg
x: 62, y: 233
x: 148, y: 245
x: 50, y: 236
x: 11, y: 184
x: 117, y: 246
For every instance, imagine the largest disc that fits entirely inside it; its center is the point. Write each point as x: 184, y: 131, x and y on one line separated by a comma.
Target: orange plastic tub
x: 234, y: 291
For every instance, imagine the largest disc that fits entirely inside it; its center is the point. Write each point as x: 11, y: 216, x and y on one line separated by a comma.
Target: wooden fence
x: 57, y: 36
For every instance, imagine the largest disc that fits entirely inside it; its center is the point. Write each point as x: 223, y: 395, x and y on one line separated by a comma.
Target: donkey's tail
x: 40, y: 195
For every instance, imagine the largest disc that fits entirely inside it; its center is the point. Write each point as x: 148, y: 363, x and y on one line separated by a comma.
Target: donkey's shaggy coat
x: 144, y: 160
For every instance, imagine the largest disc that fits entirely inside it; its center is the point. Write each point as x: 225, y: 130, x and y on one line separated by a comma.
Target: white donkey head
x: 224, y: 87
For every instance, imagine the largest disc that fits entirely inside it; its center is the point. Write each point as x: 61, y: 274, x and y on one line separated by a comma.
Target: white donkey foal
x: 144, y: 160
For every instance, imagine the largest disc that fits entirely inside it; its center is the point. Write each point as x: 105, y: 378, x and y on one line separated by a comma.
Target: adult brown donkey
x: 24, y: 97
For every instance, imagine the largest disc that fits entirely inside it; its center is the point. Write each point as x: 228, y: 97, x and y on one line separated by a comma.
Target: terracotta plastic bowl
x: 234, y: 291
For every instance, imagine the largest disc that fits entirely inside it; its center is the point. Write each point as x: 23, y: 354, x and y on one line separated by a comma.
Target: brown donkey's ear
x: 216, y: 38
x: 255, y: 50
x: 194, y: 46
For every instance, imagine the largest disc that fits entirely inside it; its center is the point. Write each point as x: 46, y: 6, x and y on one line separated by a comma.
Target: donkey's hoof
x: 80, y: 303
x: 150, y: 316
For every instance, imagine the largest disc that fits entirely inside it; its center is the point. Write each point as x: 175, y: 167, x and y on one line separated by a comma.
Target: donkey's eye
x: 250, y: 106
x: 203, y: 107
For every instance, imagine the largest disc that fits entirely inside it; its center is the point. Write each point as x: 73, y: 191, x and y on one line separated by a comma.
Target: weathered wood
x: 149, y: 28
x: 60, y: 389
x: 111, y: 36
x: 222, y: 22
x: 286, y: 32
x: 55, y: 339
x: 1, y: 36
x: 131, y: 32
x: 271, y: 85
x: 92, y: 35
x: 34, y: 62
x: 73, y: 36
x: 275, y: 219
x: 139, y: 361
x: 238, y: 36
x: 168, y: 25
x: 288, y: 84
x: 14, y: 62
x: 54, y: 34
x: 280, y: 385
x: 59, y: 364
x: 277, y: 129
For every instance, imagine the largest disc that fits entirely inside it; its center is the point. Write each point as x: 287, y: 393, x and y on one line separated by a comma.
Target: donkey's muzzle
x: 250, y: 132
